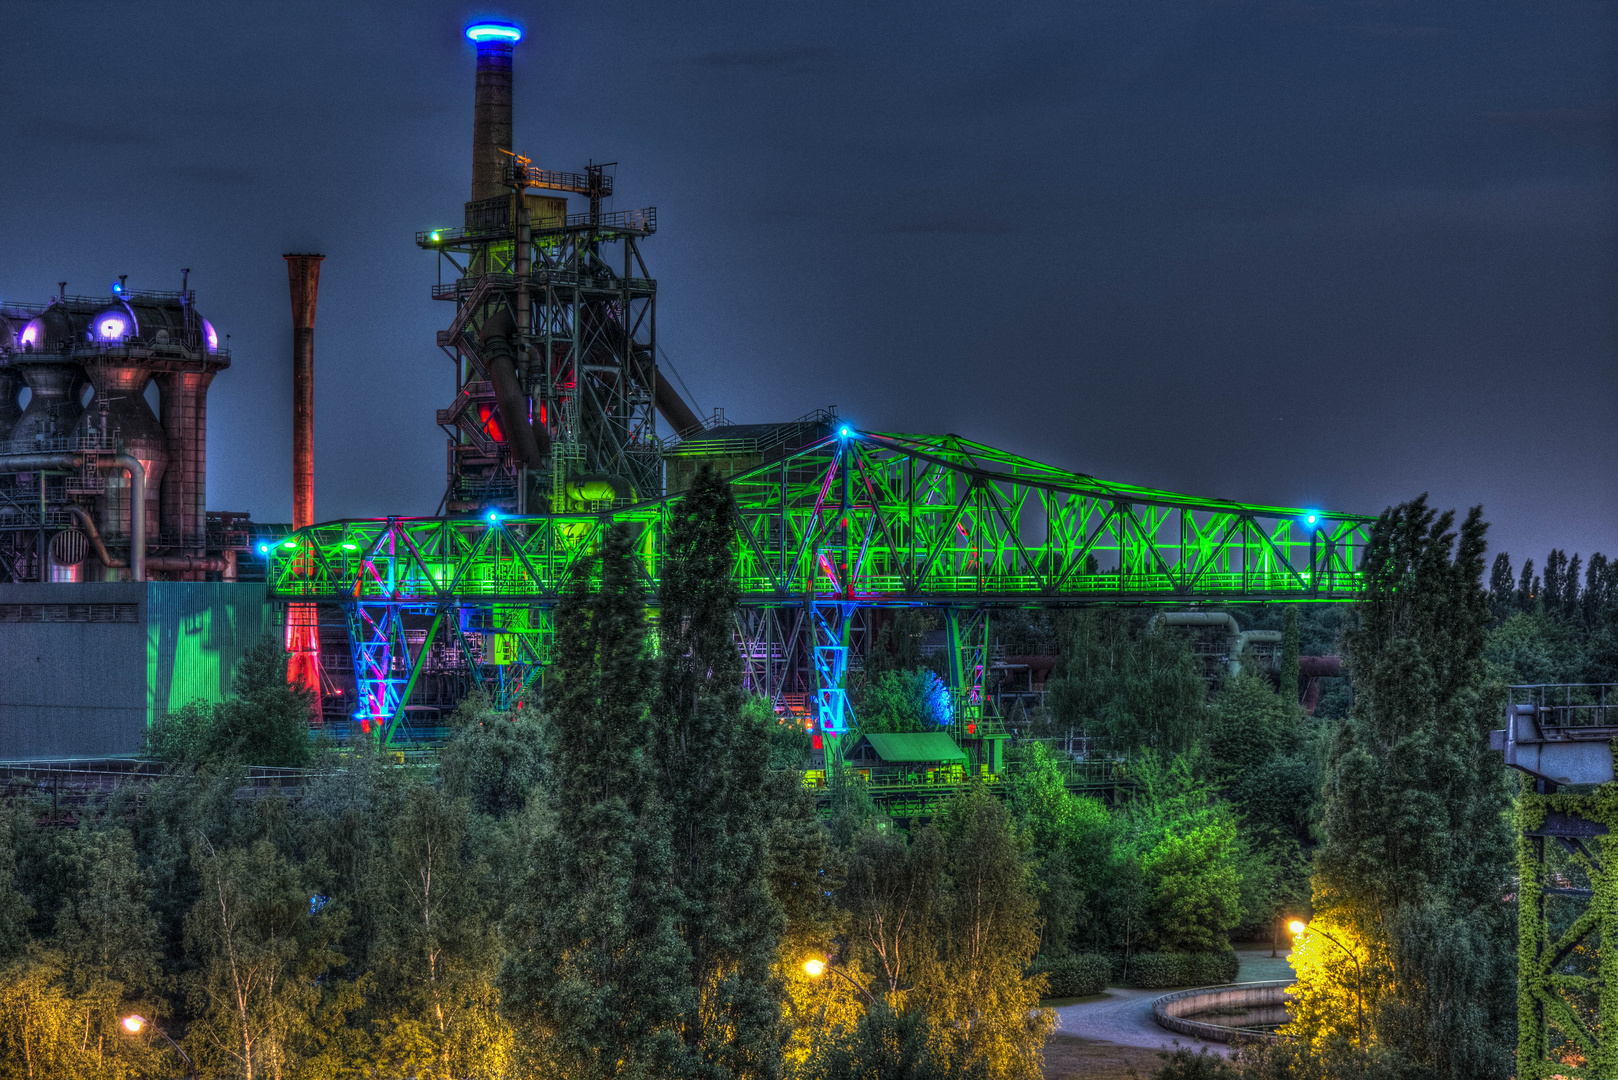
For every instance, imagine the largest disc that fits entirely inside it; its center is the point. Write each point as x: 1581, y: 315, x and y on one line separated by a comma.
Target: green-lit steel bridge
x: 852, y: 522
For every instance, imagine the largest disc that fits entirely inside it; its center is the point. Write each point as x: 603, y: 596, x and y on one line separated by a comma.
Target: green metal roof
x: 916, y: 746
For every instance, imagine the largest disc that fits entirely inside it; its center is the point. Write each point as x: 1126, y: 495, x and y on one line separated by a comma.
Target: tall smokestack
x: 491, y: 119
x: 303, y: 274
x: 303, y: 627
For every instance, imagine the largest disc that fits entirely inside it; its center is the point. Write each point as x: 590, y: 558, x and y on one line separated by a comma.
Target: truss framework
x: 855, y: 521
x: 582, y: 306
x: 1567, y: 920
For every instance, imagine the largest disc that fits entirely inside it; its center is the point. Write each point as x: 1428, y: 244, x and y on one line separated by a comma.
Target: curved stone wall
x: 1244, y: 1011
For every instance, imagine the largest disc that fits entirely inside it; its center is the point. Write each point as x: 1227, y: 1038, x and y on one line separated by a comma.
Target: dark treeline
x: 628, y: 881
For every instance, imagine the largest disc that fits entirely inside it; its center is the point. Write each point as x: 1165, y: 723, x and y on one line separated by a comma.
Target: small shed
x: 925, y: 755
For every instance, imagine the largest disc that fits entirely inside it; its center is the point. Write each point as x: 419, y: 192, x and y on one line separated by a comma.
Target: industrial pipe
x: 303, y: 275
x: 15, y: 463
x: 1234, y: 633
x: 672, y: 405
x: 521, y: 437
x: 214, y: 563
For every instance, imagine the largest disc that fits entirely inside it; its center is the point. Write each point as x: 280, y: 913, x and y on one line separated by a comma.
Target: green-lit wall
x: 88, y: 666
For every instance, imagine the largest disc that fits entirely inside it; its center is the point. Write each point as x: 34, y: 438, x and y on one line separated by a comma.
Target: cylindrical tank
x: 119, y: 411
x: 10, y: 391
x: 53, y: 408
x: 185, y: 484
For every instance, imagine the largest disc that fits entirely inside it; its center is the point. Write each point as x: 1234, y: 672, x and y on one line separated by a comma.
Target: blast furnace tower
x: 95, y: 485
x: 554, y: 337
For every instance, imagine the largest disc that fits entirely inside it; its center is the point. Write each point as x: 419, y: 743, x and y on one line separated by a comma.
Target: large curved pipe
x: 15, y: 463
x: 494, y: 343
x: 1238, y: 638
x: 214, y: 563
x: 672, y: 405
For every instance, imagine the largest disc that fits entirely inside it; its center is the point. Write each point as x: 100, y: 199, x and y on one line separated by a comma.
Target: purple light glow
x: 111, y: 326
x: 211, y: 334
x: 32, y: 334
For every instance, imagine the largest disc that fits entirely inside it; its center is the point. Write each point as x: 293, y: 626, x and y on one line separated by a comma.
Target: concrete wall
x: 1262, y: 1005
x: 86, y: 667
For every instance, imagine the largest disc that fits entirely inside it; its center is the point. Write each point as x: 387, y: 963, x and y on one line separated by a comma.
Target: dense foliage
x: 627, y: 880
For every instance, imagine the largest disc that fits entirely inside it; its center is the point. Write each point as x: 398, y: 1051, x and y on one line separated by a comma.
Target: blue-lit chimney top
x: 494, y: 31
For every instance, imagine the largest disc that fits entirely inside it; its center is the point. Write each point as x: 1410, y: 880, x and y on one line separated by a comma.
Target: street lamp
x: 134, y: 1022
x: 1297, y: 927
x: 815, y: 967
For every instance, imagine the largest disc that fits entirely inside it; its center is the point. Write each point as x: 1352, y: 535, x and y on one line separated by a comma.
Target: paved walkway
x: 1123, y: 1015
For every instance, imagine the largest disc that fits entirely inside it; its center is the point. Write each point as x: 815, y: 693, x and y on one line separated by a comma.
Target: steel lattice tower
x: 554, y: 334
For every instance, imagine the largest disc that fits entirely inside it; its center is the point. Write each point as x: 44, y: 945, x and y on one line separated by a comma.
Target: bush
x: 1076, y: 976
x: 1154, y: 971
x: 1212, y: 968
x: 1158, y: 970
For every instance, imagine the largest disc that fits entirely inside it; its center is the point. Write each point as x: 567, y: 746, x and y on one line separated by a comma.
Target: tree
x: 1291, y: 681
x: 495, y: 759
x: 1250, y: 724
x: 713, y: 763
x: 437, y: 1009
x: 592, y: 975
x: 1071, y: 839
x: 1140, y: 692
x: 977, y: 992
x: 261, y: 944
x: 1196, y: 890
x: 1417, y: 854
x: 904, y: 700
x: 264, y: 721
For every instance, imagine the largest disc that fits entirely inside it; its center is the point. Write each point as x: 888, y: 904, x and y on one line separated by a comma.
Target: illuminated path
x: 1124, y: 1015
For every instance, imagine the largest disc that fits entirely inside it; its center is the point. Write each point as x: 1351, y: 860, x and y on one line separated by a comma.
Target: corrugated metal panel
x: 916, y: 746
x: 195, y: 633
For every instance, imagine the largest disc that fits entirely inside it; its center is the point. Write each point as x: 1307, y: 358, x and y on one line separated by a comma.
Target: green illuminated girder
x: 865, y: 520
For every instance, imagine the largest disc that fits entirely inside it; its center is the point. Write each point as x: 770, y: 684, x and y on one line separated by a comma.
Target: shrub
x: 1158, y: 970
x: 1077, y: 976
x: 1212, y: 968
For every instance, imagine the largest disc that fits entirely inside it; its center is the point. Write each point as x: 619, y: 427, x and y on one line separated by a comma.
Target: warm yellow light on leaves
x: 815, y: 968
x: 1296, y: 926
x: 133, y: 1024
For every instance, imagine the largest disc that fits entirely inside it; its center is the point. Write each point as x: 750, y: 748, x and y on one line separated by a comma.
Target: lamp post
x: 815, y: 967
x: 133, y: 1024
x: 1298, y: 927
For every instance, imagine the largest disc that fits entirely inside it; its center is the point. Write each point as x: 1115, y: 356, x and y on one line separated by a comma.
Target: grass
x: 1068, y: 1057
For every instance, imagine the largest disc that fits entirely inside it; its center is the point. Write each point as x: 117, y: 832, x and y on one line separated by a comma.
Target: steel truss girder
x: 853, y: 522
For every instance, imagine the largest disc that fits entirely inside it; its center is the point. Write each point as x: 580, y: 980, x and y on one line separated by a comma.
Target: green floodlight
x: 290, y: 544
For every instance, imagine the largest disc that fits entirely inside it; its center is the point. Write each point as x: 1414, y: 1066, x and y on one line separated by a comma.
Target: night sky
x: 1315, y: 254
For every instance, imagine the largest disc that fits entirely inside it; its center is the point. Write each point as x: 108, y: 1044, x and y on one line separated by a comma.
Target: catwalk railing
x: 854, y: 520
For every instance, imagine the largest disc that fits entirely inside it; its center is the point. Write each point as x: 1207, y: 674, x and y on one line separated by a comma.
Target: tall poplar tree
x: 592, y: 974
x: 714, y: 778
x: 1416, y: 859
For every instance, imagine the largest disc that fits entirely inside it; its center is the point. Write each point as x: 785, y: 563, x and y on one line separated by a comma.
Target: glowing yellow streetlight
x: 815, y: 967
x: 134, y: 1022
x: 1297, y: 926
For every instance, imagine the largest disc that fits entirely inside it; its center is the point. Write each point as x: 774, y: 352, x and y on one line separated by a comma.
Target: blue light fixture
x: 494, y: 31
x: 264, y: 549
x: 493, y: 516
x: 843, y: 433
x: 1311, y: 518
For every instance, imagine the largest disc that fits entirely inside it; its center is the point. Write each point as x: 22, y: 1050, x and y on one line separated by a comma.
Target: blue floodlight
x: 435, y: 236
x: 493, y: 516
x: 117, y: 288
x: 843, y: 433
x: 494, y: 31
x: 1311, y: 518
x: 264, y: 549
